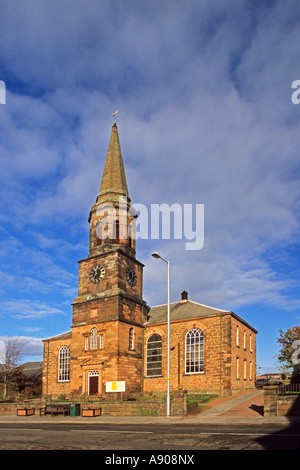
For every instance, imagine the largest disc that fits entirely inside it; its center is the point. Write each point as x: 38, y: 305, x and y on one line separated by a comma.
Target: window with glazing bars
x: 93, y: 338
x: 154, y: 356
x: 64, y: 364
x: 194, y: 351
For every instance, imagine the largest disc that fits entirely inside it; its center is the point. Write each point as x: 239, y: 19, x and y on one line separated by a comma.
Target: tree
x: 289, y: 353
x: 9, y: 373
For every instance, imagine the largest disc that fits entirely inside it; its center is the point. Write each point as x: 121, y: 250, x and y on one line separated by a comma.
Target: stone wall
x: 280, y: 405
x: 116, y: 408
x: 220, y: 356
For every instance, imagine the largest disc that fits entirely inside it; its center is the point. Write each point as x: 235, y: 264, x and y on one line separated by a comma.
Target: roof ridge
x: 60, y: 334
x: 193, y: 302
x: 161, y: 305
x: 209, y: 306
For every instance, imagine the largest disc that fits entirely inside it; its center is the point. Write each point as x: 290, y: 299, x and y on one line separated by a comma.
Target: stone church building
x: 116, y: 337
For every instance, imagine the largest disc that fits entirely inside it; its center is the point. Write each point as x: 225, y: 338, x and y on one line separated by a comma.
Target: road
x: 182, y: 437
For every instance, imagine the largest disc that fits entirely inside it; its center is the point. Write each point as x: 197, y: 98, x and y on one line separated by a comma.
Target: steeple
x: 112, y: 218
x: 113, y: 183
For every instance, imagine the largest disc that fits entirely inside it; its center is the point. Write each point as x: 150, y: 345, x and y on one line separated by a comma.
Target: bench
x: 25, y: 411
x: 91, y: 412
x: 55, y: 410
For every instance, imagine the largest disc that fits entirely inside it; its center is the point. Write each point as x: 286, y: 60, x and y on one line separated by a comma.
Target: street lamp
x: 157, y: 256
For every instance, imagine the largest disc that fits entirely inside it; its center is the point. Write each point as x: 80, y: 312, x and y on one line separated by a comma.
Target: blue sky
x: 203, y: 90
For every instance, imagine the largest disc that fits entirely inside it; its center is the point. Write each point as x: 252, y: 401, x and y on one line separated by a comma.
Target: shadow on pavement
x: 258, y: 409
x: 287, y: 438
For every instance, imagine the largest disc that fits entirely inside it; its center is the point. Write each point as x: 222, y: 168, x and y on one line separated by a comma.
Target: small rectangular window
x: 131, y: 339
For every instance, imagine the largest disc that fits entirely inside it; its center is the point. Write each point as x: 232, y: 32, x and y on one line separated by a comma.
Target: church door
x: 93, y: 382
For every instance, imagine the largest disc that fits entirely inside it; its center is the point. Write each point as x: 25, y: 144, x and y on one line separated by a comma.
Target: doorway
x: 93, y: 384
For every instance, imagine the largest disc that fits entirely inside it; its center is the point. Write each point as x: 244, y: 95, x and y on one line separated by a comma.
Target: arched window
x: 93, y: 338
x: 194, y: 351
x: 154, y: 356
x: 64, y: 364
x: 131, y: 339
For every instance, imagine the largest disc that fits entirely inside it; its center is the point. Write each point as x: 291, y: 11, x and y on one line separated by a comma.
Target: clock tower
x: 109, y: 311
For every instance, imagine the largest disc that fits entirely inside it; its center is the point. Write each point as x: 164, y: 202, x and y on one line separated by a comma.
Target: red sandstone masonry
x: 219, y: 374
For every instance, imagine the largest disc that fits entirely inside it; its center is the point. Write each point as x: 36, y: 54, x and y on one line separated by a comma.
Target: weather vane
x: 115, y: 115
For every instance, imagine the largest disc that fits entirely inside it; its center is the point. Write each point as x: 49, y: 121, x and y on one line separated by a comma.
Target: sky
x: 206, y: 116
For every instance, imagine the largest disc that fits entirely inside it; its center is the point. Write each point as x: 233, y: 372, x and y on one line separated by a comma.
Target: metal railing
x: 289, y: 389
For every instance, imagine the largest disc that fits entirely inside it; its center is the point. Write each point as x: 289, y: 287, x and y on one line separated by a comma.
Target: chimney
x: 184, y: 296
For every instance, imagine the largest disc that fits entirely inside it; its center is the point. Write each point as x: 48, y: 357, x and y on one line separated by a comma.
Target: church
x: 116, y: 338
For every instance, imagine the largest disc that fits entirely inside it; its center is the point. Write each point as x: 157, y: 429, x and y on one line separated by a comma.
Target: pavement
x: 243, y: 408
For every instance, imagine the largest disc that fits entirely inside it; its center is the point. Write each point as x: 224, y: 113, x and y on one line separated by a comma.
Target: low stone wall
x: 8, y: 408
x: 127, y: 408
x: 115, y: 408
x: 280, y: 405
x: 288, y: 406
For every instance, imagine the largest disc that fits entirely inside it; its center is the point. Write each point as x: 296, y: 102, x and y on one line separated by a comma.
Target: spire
x: 113, y: 178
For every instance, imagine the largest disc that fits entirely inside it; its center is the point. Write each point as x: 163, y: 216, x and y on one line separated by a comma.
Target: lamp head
x: 155, y: 255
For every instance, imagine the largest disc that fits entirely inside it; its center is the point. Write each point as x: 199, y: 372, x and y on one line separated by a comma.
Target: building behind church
x: 115, y: 336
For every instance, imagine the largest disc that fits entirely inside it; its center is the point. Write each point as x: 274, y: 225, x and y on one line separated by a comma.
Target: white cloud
x: 205, y: 117
x: 24, y: 308
x: 29, y: 345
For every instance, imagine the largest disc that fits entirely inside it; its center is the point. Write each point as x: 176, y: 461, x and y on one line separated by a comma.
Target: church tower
x: 109, y: 311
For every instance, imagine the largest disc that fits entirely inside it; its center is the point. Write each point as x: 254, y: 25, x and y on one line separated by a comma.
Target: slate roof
x: 186, y: 310
x: 182, y: 311
x: 67, y: 334
x: 32, y: 369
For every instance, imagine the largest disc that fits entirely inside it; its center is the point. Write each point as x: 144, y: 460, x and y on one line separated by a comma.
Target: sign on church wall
x: 115, y: 386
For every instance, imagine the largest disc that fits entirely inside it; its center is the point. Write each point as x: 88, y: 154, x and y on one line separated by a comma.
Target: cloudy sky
x: 203, y: 90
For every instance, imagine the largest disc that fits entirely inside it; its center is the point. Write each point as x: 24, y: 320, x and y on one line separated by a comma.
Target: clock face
x: 131, y: 277
x: 97, y: 274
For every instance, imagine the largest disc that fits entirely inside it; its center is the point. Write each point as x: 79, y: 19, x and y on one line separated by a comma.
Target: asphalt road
x: 186, y: 438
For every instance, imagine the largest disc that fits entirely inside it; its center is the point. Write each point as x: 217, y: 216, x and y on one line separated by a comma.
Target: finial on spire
x: 115, y: 116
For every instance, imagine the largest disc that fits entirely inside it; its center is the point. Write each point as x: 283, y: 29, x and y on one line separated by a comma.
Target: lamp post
x: 157, y: 256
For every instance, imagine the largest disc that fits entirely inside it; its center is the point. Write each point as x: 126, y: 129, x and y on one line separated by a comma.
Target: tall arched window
x: 154, y: 356
x: 93, y: 338
x: 64, y: 364
x: 194, y: 351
